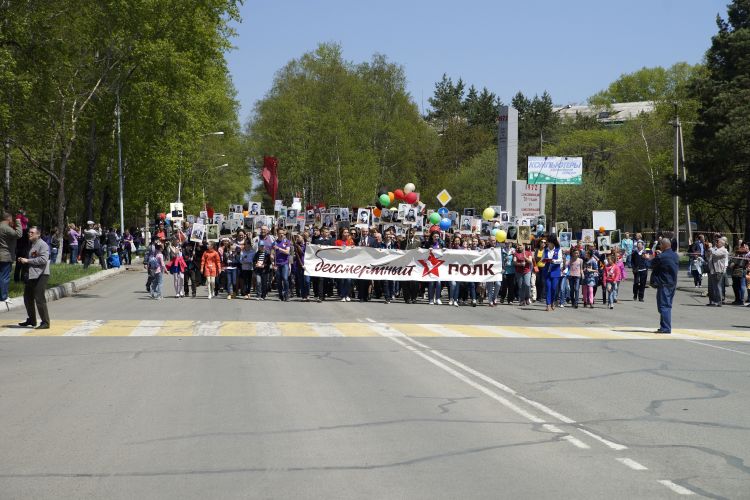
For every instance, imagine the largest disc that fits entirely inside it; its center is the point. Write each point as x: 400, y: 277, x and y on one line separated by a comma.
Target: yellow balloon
x: 489, y: 213
x: 500, y: 236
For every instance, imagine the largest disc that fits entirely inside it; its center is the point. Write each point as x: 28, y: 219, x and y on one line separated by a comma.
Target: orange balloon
x: 601, y: 229
x: 391, y: 196
x: 376, y: 211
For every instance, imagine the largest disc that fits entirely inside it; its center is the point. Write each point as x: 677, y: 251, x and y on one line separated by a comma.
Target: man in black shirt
x: 325, y: 239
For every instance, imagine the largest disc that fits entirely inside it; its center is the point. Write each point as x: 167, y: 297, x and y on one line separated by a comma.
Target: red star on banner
x: 431, y: 265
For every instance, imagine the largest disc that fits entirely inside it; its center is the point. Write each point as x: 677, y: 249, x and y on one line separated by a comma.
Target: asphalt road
x: 385, y: 411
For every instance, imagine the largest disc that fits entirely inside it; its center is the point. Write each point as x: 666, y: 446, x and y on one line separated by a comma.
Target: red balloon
x: 399, y: 194
x: 411, y: 197
x: 434, y: 229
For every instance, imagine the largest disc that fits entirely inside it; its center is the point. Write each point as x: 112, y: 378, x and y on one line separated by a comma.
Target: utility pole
x: 688, y: 224
x: 119, y: 166
x: 675, y: 198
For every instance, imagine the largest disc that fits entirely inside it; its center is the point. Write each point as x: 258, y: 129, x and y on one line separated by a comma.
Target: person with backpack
x: 210, y: 268
x: 157, y: 268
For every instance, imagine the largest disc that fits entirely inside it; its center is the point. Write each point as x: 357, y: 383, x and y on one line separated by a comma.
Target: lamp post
x: 203, y: 180
x: 179, y: 182
x: 541, y: 148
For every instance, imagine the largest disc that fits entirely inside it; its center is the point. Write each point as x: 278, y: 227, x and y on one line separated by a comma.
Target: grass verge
x: 59, y: 274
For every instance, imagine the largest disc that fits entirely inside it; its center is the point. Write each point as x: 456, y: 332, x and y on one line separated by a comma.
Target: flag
x: 269, y: 174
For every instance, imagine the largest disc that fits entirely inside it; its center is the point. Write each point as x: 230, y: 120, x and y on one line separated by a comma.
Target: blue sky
x: 571, y: 48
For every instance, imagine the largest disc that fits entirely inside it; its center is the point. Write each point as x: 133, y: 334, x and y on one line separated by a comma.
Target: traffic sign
x: 444, y: 197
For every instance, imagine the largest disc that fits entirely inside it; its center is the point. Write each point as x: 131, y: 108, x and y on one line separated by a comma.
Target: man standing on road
x: 717, y: 258
x: 664, y: 269
x: 8, y: 238
x: 36, y: 284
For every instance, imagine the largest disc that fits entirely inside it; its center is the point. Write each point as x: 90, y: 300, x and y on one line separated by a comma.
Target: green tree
x: 719, y: 165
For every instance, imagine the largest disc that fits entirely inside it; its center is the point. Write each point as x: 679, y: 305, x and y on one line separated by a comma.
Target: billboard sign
x: 555, y: 170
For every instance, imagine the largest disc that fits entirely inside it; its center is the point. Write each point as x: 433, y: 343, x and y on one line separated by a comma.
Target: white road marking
x: 720, y: 335
x: 207, y: 329
x: 567, y: 437
x: 370, y: 320
x: 326, y: 329
x: 615, y: 333
x: 84, y: 329
x: 610, y: 444
x: 264, y: 329
x: 632, y: 464
x: 717, y: 347
x: 495, y: 383
x: 442, y: 330
x: 680, y: 490
x: 147, y: 328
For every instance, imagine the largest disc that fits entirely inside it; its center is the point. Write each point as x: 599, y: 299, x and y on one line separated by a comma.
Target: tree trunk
x: 6, y: 179
x: 93, y: 159
x: 61, y: 201
x: 746, y: 225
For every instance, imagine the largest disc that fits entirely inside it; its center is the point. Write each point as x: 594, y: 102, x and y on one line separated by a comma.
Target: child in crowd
x: 177, y: 267
x: 611, y: 279
x: 211, y: 267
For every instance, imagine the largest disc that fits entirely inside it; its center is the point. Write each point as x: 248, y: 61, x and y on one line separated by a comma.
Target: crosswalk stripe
x: 265, y: 329
x: 477, y: 331
x: 84, y: 329
x: 56, y: 329
x: 176, y: 328
x: 532, y: 332
x: 503, y: 332
x: 413, y: 330
x: 711, y: 335
x: 326, y: 329
x: 445, y: 331
x: 238, y: 329
x: 566, y: 333
x: 296, y: 329
x: 147, y: 328
x: 206, y: 328
x: 116, y: 328
x: 356, y: 330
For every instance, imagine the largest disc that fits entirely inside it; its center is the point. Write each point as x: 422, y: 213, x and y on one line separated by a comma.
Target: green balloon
x: 434, y: 218
x: 385, y: 200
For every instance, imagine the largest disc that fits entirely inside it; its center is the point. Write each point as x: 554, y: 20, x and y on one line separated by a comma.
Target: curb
x: 72, y: 287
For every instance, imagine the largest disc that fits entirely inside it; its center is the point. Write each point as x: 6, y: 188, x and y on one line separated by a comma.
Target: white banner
x: 403, y: 265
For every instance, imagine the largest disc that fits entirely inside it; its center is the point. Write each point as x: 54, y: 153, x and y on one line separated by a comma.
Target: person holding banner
x: 434, y: 287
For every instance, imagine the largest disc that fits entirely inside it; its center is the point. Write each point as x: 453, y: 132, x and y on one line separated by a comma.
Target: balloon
x: 500, y: 236
x: 391, y: 196
x: 409, y: 188
x: 398, y: 194
x: 377, y: 212
x: 434, y: 229
x: 411, y: 198
x: 445, y: 224
x: 489, y: 213
x: 443, y: 211
x: 494, y: 232
x: 434, y: 218
x: 385, y: 200
x: 601, y: 230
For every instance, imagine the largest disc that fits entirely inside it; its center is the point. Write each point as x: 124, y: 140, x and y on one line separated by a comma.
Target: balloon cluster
x: 387, y: 198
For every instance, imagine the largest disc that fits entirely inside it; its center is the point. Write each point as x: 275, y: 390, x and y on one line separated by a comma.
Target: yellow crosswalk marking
x: 355, y: 330
x: 176, y: 328
x: 116, y: 328
x: 532, y: 332
x: 237, y: 329
x: 297, y: 330
x: 473, y: 331
x: 56, y: 328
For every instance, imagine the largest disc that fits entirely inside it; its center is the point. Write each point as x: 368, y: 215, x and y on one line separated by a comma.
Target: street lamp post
x: 203, y: 180
x: 179, y: 182
x: 554, y: 186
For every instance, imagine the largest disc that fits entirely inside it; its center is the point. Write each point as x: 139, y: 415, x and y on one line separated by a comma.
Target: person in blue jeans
x: 282, y: 249
x: 9, y: 235
x: 552, y: 270
x: 664, y: 269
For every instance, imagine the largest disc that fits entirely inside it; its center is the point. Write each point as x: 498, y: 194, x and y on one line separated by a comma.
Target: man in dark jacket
x: 363, y: 286
x: 9, y: 235
x: 664, y: 269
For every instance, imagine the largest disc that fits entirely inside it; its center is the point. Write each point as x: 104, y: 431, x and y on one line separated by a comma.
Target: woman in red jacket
x: 177, y: 267
x: 211, y: 267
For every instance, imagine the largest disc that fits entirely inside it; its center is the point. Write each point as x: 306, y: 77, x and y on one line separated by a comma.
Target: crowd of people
x: 250, y: 265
